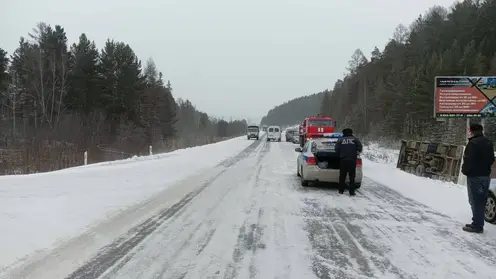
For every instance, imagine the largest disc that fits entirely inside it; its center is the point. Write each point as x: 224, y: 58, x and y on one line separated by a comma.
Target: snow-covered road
x: 249, y: 218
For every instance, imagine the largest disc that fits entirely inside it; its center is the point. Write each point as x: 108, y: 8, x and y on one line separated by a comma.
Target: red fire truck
x: 315, y: 127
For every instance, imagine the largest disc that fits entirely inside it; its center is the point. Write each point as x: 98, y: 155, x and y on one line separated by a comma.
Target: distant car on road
x: 490, y: 212
x: 291, y: 135
x: 319, y: 162
x: 274, y: 133
x: 253, y: 132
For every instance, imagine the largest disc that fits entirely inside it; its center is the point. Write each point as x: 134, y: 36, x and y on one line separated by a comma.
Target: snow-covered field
x: 254, y: 204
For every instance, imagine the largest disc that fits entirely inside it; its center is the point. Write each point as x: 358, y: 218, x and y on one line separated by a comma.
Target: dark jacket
x: 348, y: 148
x: 478, y: 157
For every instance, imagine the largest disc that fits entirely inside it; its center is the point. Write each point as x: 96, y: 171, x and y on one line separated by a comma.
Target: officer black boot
x: 352, y: 188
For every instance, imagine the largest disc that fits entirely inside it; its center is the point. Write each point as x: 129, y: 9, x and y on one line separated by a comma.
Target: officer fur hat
x: 347, y: 132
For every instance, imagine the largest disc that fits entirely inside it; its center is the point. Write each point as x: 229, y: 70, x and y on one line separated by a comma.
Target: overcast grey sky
x: 229, y: 57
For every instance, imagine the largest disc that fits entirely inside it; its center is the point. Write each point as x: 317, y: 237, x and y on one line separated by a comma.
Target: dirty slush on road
x: 253, y: 220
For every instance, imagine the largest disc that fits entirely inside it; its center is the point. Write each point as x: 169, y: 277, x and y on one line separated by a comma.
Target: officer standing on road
x: 478, y: 159
x: 348, y: 148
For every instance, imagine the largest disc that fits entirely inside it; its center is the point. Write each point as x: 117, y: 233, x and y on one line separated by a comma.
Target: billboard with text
x: 464, y: 96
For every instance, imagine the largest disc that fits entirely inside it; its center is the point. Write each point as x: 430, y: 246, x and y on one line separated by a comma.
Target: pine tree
x: 4, y: 62
x: 85, y: 82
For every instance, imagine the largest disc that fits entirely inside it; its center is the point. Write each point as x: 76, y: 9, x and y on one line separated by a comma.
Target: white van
x: 274, y: 133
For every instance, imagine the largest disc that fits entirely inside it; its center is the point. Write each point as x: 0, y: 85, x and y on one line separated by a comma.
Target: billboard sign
x: 464, y: 96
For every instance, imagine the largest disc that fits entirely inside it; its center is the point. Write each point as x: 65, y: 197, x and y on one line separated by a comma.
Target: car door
x: 303, y: 151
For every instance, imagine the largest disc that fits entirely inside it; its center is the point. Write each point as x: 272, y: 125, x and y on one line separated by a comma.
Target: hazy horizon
x: 229, y: 59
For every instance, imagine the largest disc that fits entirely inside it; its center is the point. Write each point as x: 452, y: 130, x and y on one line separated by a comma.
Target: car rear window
x: 271, y: 129
x: 326, y: 144
x: 276, y: 129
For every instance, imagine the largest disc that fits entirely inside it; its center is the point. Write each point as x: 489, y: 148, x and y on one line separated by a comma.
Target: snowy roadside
x: 445, y: 197
x: 150, y: 157
x: 375, y: 153
x: 40, y: 211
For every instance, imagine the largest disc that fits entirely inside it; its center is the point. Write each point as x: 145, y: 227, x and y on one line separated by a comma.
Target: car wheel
x: 297, y: 170
x: 304, y: 182
x: 490, y: 210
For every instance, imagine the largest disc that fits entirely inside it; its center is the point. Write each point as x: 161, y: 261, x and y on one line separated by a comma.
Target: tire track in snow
x: 337, y: 253
x: 205, y: 240
x: 381, y: 234
x: 172, y: 251
x: 266, y: 247
x: 249, y: 234
x: 281, y: 253
x: 340, y: 251
x: 287, y: 214
x: 249, y: 241
x: 441, y: 225
x: 116, y: 251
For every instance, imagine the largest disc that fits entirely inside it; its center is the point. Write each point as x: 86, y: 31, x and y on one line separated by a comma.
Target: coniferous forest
x: 392, y: 93
x: 60, y: 99
x: 292, y: 112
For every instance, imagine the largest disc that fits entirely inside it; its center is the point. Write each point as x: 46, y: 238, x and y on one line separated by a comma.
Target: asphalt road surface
x: 252, y: 219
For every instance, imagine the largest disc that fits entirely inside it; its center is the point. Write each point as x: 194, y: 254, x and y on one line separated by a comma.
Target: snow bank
x: 37, y: 211
x: 445, y: 197
x: 151, y: 157
x: 373, y: 152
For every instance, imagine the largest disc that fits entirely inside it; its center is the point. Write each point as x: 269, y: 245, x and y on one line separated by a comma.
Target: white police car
x: 319, y: 162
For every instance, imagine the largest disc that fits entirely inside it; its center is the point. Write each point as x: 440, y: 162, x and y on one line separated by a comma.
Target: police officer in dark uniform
x: 348, y: 148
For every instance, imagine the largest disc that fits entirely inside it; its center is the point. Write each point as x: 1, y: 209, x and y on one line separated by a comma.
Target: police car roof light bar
x: 333, y: 135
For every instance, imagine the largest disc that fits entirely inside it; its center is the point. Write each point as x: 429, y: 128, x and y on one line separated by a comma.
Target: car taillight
x: 310, y: 161
x: 359, y: 162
